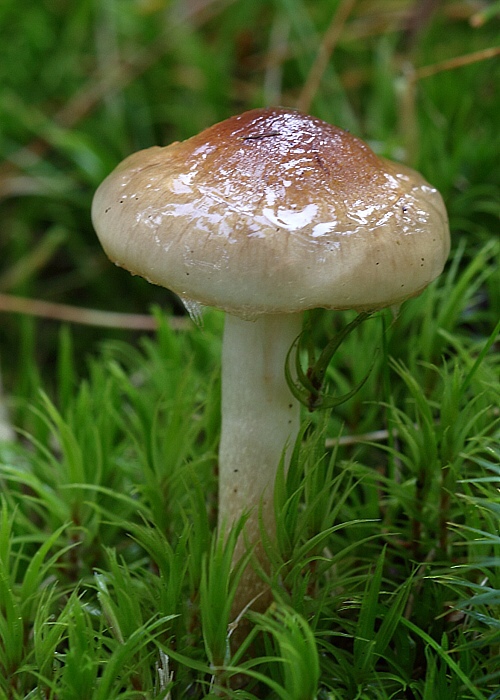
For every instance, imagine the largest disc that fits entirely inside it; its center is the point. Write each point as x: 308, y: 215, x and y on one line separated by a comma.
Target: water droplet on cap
x: 194, y: 309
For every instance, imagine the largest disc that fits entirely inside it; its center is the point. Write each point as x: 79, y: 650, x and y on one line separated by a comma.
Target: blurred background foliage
x: 83, y: 83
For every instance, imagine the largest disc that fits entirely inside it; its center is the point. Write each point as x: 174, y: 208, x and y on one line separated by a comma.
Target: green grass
x: 385, y: 571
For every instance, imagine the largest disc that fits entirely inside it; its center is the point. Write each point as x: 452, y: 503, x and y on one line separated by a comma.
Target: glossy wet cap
x: 273, y: 211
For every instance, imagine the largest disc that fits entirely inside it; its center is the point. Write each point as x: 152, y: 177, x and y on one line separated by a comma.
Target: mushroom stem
x: 260, y: 418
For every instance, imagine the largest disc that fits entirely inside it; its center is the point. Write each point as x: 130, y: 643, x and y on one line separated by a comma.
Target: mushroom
x: 265, y: 215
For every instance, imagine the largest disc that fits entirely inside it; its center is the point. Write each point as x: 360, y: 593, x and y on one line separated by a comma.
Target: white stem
x: 259, y: 417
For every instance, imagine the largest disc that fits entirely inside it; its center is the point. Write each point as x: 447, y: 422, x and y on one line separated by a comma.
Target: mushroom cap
x: 273, y: 211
